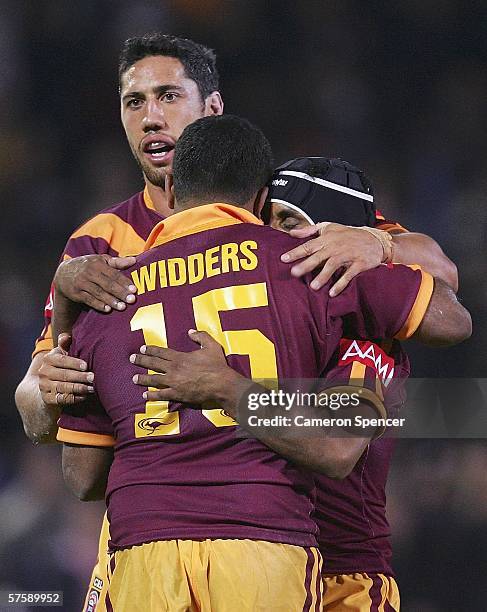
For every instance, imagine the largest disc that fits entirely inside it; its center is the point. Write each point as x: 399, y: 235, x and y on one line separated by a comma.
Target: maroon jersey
x: 180, y: 472
x: 351, y: 513
x: 121, y: 229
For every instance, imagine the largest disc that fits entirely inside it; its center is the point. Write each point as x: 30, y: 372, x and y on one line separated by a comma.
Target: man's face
x: 285, y: 219
x: 157, y: 102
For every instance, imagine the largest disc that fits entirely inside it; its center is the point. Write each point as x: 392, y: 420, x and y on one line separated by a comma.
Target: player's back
x: 183, y: 473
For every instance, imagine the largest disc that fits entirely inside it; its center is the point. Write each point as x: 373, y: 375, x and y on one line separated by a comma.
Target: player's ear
x: 169, y: 189
x: 260, y: 200
x: 214, y: 104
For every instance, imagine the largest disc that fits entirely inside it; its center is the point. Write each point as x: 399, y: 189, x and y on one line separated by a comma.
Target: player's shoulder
x: 111, y: 215
x: 270, y: 238
x: 121, y: 229
x: 270, y: 245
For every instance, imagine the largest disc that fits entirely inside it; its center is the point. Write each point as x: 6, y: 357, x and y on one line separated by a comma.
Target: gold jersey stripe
x: 357, y: 374
x: 45, y: 343
x: 420, y: 305
x: 84, y: 438
x: 392, y: 228
x: 121, y: 237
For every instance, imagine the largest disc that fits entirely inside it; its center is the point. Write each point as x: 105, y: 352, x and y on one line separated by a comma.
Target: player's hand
x: 96, y: 280
x: 64, y: 380
x: 335, y: 247
x: 195, y: 377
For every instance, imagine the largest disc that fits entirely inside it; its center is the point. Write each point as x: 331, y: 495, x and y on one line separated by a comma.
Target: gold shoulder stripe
x: 46, y: 343
x: 392, y: 228
x: 83, y: 438
x: 118, y: 233
x: 419, y: 307
x: 357, y: 374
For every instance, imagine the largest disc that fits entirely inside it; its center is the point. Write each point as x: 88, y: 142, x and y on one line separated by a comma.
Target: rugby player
x: 165, y: 83
x: 354, y: 535
x: 151, y: 109
x: 218, y: 158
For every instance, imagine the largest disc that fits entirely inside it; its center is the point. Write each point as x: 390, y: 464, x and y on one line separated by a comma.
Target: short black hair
x: 221, y: 159
x: 199, y: 61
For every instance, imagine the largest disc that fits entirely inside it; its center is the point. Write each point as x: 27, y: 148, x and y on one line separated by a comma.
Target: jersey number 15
x: 157, y: 420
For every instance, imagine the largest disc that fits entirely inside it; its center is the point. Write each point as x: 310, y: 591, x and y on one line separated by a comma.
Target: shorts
x: 360, y: 593
x: 215, y: 576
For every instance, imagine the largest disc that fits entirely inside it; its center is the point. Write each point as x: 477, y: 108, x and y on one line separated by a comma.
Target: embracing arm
x: 204, y: 376
x: 413, y: 248
x: 39, y: 419
x: 355, y: 249
x: 446, y: 322
x: 54, y: 379
x: 329, y: 454
x: 85, y: 470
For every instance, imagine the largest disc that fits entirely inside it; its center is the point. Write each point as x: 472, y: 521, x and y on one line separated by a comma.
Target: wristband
x: 385, y: 240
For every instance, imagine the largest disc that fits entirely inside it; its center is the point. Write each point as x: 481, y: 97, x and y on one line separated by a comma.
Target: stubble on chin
x: 156, y: 176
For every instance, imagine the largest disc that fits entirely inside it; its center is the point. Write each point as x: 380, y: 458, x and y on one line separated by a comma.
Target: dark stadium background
x: 397, y: 88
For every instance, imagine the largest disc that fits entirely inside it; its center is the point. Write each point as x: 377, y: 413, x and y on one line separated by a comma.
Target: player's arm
x: 402, y: 302
x: 446, y: 322
x: 86, y: 469
x: 88, y: 440
x: 357, y: 249
x: 89, y: 280
x: 54, y: 379
x: 414, y: 248
x: 204, y: 376
x: 38, y: 418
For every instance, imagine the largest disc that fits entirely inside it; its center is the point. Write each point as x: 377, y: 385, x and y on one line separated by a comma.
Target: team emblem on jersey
x: 370, y: 354
x: 151, y: 426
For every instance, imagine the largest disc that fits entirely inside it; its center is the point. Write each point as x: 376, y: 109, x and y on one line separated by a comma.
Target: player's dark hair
x: 199, y: 61
x: 221, y: 159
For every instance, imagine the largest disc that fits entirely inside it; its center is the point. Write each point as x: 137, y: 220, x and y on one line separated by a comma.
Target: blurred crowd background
x: 398, y: 88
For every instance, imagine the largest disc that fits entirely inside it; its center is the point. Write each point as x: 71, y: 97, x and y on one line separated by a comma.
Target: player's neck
x: 159, y: 199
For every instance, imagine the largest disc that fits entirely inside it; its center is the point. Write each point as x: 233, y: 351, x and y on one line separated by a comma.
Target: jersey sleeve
x: 92, y: 238
x: 389, y: 301
x: 388, y: 225
x: 377, y: 371
x: 86, y: 424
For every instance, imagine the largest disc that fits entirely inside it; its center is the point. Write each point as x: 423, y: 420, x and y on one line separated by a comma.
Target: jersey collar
x: 198, y: 219
x: 147, y: 199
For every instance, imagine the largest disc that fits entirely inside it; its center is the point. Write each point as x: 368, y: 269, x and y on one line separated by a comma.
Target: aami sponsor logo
x: 369, y: 354
x: 279, y: 182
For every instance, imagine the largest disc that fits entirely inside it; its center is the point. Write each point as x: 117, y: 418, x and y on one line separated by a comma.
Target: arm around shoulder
x: 413, y: 248
x: 446, y: 322
x: 38, y: 418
